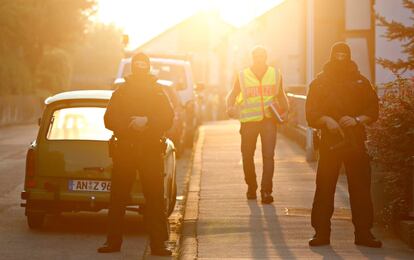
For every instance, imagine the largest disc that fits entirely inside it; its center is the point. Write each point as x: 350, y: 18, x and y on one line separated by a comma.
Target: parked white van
x: 177, y: 77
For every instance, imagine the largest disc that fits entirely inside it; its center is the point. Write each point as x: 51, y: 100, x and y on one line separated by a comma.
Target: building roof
x: 80, y: 94
x: 190, y: 19
x: 184, y: 22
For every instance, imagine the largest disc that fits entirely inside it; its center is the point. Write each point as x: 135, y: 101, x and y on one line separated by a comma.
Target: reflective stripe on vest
x: 256, y: 96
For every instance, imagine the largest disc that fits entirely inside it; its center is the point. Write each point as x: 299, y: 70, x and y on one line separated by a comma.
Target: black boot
x: 367, y: 239
x: 251, y: 193
x: 108, y: 248
x: 320, y: 240
x: 267, y: 197
x: 162, y: 251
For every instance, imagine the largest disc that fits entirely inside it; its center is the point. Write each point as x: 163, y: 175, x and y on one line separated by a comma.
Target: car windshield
x: 170, y: 72
x: 78, y: 123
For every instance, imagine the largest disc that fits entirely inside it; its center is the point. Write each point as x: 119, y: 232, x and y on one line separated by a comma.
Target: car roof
x: 161, y: 60
x: 161, y: 82
x: 79, y: 95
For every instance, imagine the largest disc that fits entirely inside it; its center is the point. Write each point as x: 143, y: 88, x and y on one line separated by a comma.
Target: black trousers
x: 358, y: 173
x: 249, y: 132
x: 150, y: 168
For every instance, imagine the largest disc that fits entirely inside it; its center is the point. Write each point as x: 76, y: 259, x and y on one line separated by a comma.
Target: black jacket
x: 337, y: 93
x: 139, y: 96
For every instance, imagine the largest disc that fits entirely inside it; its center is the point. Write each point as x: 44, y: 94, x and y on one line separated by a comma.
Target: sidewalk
x: 219, y: 222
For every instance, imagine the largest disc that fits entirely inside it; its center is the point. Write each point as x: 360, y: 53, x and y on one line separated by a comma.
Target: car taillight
x: 30, y: 163
x: 30, y: 183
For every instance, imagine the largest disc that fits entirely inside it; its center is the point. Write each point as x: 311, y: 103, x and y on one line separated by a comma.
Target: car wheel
x: 170, y: 183
x: 173, y: 198
x: 35, y: 220
x: 168, y: 228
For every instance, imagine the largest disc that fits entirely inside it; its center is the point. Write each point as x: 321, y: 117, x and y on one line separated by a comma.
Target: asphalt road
x: 68, y: 236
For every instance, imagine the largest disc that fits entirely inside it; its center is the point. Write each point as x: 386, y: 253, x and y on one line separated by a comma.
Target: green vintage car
x: 68, y: 168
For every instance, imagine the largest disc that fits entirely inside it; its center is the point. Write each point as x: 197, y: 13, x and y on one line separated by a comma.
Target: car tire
x: 35, y: 220
x: 173, y: 198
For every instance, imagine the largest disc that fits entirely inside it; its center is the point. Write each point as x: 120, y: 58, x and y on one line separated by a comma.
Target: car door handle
x: 96, y: 169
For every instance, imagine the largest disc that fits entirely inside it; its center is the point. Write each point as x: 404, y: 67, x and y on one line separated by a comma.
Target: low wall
x: 19, y: 109
x: 297, y: 127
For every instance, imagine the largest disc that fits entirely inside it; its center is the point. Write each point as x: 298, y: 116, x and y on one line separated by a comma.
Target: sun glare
x: 145, y: 20
x: 240, y: 12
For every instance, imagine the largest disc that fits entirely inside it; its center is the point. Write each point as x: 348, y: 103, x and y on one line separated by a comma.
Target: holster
x: 112, y: 146
x: 349, y: 144
x: 316, y: 138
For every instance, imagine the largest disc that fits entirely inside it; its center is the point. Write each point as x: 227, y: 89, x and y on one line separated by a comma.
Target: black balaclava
x: 340, y: 47
x: 340, y: 67
x: 140, y: 64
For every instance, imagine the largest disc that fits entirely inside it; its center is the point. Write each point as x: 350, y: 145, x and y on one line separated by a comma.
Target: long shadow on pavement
x: 265, y: 225
x: 258, y: 240
x: 327, y: 252
x: 276, y: 233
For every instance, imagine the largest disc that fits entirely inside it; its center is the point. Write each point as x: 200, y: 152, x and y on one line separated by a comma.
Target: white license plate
x: 89, y: 185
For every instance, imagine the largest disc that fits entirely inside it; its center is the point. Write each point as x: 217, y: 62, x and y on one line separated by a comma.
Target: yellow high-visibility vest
x: 256, y: 96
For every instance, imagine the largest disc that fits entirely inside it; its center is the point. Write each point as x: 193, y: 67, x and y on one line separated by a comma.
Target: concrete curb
x: 188, y: 241
x: 187, y: 227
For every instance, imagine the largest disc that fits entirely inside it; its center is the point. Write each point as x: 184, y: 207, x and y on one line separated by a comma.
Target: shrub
x: 391, y: 145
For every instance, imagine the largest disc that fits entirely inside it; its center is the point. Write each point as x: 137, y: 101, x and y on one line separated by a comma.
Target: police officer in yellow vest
x: 254, y: 90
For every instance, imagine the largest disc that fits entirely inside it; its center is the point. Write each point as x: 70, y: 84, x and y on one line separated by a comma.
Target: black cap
x: 340, y: 47
x: 142, y: 58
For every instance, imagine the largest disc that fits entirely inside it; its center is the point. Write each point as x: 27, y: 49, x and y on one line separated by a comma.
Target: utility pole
x: 125, y: 42
x: 310, y: 23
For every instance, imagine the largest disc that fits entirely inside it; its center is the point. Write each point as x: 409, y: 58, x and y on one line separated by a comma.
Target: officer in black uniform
x: 341, y: 102
x: 138, y: 113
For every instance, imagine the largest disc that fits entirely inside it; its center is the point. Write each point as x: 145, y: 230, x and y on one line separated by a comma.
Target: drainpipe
x: 411, y: 213
x: 310, y: 4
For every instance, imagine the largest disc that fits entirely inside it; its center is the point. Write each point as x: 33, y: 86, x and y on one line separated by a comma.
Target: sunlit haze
x: 143, y: 20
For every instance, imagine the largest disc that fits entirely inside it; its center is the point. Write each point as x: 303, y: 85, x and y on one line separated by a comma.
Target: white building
x: 392, y: 10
